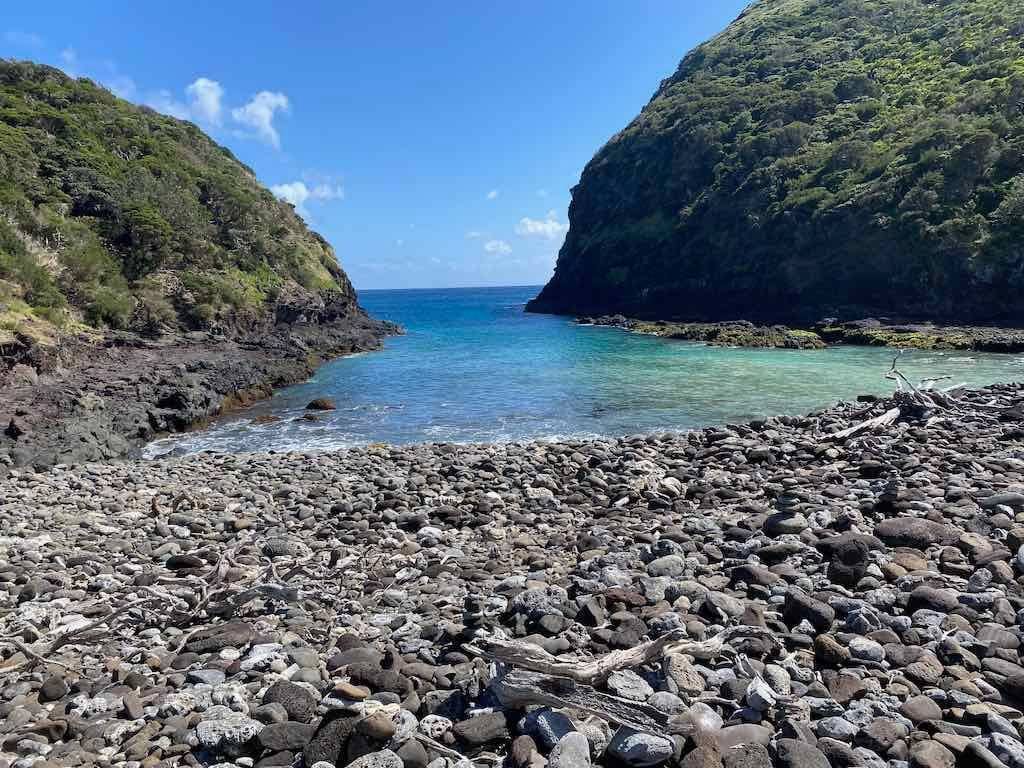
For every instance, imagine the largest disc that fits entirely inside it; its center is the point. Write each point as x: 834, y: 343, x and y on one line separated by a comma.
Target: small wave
x: 442, y: 430
x: 562, y: 437
x: 375, y: 408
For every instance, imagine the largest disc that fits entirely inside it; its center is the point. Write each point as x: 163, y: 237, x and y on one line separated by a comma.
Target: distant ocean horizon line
x: 452, y: 288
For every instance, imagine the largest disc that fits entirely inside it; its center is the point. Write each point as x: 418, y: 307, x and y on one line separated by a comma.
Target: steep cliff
x: 840, y: 157
x: 115, y: 216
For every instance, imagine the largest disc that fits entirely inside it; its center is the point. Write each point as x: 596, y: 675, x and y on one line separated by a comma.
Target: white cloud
x: 205, y: 97
x: 259, y: 114
x: 297, y: 193
x: 324, y: 186
x: 328, y: 192
x: 121, y: 86
x: 474, y: 235
x: 493, y: 194
x: 203, y: 103
x: 499, y: 247
x: 164, y: 102
x: 549, y: 227
x: 294, y: 192
x: 542, y: 193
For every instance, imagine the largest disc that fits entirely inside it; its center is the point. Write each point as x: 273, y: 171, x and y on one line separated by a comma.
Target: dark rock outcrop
x: 815, y: 159
x: 103, y: 401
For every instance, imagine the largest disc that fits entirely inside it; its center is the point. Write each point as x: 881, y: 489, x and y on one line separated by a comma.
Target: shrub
x: 119, y: 191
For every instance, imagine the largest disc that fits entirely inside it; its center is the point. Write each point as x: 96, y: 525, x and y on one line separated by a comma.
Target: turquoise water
x: 474, y: 367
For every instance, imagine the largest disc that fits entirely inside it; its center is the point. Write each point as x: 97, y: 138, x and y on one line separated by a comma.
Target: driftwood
x: 441, y: 749
x: 926, y: 396
x: 595, y: 671
x: 885, y: 419
x: 548, y: 680
x: 589, y: 672
x: 45, y: 655
x: 916, y: 401
x: 518, y: 689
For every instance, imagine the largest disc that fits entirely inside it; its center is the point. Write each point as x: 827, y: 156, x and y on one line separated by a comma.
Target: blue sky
x: 434, y: 144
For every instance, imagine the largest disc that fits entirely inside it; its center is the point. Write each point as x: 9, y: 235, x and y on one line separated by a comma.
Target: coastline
x: 871, y: 332
x: 88, y: 399
x: 219, y: 608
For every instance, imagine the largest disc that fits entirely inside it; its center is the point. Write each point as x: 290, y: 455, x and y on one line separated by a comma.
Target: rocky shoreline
x: 872, y: 332
x: 738, y: 333
x: 781, y: 595
x: 101, y: 397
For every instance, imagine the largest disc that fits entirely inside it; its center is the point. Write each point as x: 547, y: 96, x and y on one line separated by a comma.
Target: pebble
x: 884, y: 568
x: 629, y: 685
x: 639, y: 749
x: 571, y: 751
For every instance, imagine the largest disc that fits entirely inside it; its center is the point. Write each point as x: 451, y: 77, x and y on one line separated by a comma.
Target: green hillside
x: 840, y: 157
x: 112, y: 215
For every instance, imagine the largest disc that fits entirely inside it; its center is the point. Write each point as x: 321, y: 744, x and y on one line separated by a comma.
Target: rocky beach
x: 783, y: 592
x: 101, y: 398
x: 445, y: 554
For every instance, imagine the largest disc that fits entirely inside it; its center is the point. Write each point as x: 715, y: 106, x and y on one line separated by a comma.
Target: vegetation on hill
x: 817, y: 157
x: 112, y: 215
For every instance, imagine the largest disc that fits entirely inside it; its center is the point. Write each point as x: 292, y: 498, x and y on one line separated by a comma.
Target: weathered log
x: 45, y: 655
x: 519, y: 688
x: 589, y: 672
x: 596, y: 671
x: 544, y: 679
x: 885, y: 419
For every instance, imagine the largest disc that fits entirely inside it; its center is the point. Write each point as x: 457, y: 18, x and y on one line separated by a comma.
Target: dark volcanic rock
x: 286, y: 736
x: 482, y: 729
x: 321, y: 404
x: 791, y: 753
x: 154, y: 386
x: 233, y: 634
x: 915, y: 532
x: 299, y: 703
x: 330, y: 739
x: 801, y: 607
x: 849, y: 562
x: 53, y: 688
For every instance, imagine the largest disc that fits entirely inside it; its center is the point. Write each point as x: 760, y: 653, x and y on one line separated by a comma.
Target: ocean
x: 473, y: 367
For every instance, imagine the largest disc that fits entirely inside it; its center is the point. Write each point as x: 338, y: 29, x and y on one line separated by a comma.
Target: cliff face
x: 818, y: 157
x: 148, y: 281
x: 114, y: 216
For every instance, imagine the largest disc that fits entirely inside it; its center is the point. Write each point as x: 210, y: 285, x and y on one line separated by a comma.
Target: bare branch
x: 519, y: 689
